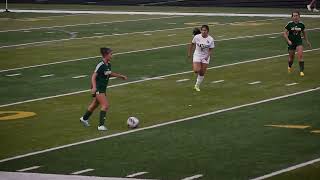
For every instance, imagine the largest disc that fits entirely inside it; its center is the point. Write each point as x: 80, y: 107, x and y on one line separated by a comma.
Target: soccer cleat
x: 102, y: 128
x: 196, y: 88
x: 84, y: 122
x: 315, y: 10
x: 289, y: 69
x: 309, y: 7
x: 301, y: 74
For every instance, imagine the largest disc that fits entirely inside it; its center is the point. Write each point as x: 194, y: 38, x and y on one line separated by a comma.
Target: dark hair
x: 205, y: 26
x: 196, y: 31
x: 295, y: 11
x: 104, y: 51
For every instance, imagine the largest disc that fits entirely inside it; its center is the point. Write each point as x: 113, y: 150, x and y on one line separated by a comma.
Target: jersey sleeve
x: 287, y: 27
x: 99, y: 69
x: 194, y: 40
x: 212, y: 45
x: 303, y: 27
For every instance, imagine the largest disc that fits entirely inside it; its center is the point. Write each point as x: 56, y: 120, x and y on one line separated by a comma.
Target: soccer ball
x: 132, y: 122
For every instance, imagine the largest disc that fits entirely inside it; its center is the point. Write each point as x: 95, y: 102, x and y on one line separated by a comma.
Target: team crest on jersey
x: 107, y: 73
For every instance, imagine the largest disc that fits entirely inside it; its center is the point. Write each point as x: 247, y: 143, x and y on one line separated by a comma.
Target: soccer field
x: 250, y: 119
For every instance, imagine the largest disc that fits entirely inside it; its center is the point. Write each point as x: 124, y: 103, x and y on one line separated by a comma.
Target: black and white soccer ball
x: 132, y: 122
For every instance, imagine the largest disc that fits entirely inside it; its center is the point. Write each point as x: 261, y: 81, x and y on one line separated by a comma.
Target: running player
x: 99, y: 83
x: 203, y: 44
x: 292, y: 34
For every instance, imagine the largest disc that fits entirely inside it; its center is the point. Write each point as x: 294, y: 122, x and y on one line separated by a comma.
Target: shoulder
x: 98, y: 66
x: 289, y: 23
x: 210, y: 38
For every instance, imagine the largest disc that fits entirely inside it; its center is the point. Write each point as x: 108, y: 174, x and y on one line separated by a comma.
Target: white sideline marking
x: 219, y: 81
x: 128, y: 52
x: 148, y: 79
x: 11, y: 75
x: 98, y: 33
x: 87, y: 24
x: 161, y: 13
x: 82, y: 171
x: 171, y: 35
x: 81, y: 76
x: 147, y: 34
x: 28, y: 169
x: 287, y: 169
x: 193, y: 177
x: 273, y: 37
x: 172, y: 23
x: 136, y: 174
x: 41, y: 176
x: 182, y: 80
x: 292, y: 84
x: 26, y: 31
x: 256, y: 82
x: 116, y: 34
x: 160, y: 125
x: 47, y: 75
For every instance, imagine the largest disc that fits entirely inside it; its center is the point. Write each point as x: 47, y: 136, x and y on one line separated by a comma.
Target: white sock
x: 199, y: 80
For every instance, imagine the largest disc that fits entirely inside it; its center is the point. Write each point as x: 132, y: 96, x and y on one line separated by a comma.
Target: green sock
x: 102, y: 118
x: 87, y: 115
x: 301, y: 64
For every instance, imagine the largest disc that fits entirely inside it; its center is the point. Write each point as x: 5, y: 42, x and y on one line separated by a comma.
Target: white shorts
x: 199, y: 59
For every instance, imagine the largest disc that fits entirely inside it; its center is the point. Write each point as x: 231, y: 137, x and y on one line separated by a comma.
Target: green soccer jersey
x: 103, y: 71
x: 295, y: 30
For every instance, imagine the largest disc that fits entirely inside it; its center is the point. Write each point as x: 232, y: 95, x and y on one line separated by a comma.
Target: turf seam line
x: 135, y: 51
x: 160, y: 125
x: 287, y: 169
x: 161, y: 13
x: 148, y: 79
x: 128, y: 33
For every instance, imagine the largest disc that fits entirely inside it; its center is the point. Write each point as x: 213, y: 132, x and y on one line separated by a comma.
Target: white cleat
x: 84, y: 122
x: 102, y: 128
x: 315, y: 10
x: 309, y: 7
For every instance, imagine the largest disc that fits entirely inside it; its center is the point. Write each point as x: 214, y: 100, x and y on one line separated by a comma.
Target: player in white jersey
x: 203, y: 44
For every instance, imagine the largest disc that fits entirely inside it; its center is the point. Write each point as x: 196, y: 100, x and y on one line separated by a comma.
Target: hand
x: 93, y: 90
x: 124, y: 77
x: 289, y: 42
x: 206, y: 58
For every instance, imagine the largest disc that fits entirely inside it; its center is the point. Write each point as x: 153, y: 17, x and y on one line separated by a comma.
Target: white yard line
x: 161, y: 124
x: 82, y: 171
x: 28, y: 169
x: 87, y: 24
x: 219, y: 81
x: 142, y: 50
x: 136, y: 174
x: 162, y: 13
x: 256, y: 82
x: 47, y: 75
x: 193, y: 177
x: 11, y: 75
x: 130, y: 33
x: 42, y: 176
x: 287, y: 169
x: 292, y: 84
x: 182, y: 80
x: 148, y: 79
x: 80, y: 76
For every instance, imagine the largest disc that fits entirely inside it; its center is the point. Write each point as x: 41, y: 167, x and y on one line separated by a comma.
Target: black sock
x: 102, y: 117
x: 290, y: 63
x: 301, y: 64
x: 87, y: 115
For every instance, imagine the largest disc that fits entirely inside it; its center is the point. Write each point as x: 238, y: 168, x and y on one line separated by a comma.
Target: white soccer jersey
x: 202, y: 45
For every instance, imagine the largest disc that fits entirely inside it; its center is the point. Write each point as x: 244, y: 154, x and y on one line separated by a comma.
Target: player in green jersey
x: 99, y: 83
x: 294, y: 31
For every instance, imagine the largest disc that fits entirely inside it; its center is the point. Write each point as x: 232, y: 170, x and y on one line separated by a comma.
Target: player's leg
x: 291, y: 51
x: 312, y: 3
x: 85, y: 118
x: 201, y: 74
x: 102, y: 99
x: 300, y: 58
x: 197, y: 69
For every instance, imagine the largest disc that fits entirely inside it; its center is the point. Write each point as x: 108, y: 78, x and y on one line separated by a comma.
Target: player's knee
x: 105, y: 107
